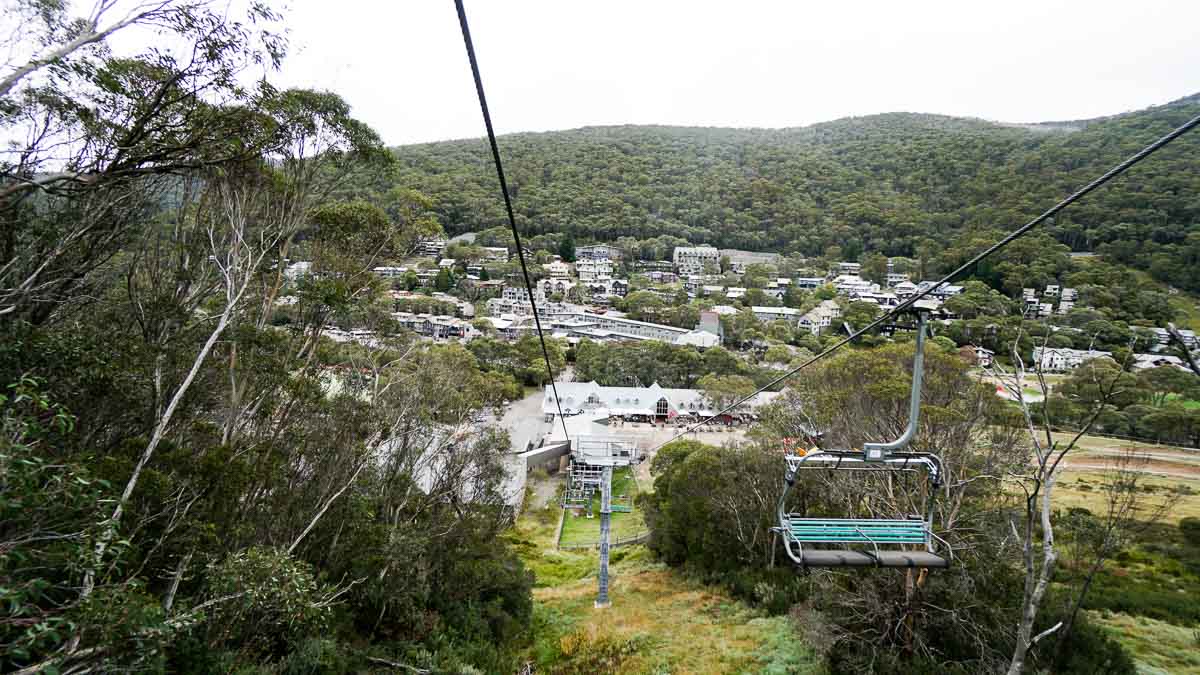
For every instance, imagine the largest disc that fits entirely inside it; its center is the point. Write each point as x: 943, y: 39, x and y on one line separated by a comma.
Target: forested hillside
x: 901, y: 184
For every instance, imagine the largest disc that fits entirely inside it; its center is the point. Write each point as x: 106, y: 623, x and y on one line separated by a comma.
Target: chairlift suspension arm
x: 879, y: 451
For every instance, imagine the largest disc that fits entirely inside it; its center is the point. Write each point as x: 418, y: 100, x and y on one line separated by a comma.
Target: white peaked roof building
x: 599, y: 402
x: 821, y: 316
x: 613, y: 326
x: 597, y: 252
x: 1058, y: 359
x: 691, y: 259
x: 558, y: 269
x: 1144, y: 361
x: 769, y: 314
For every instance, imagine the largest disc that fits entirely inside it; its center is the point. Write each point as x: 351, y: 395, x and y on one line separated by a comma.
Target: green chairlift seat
x: 622, y: 504
x: 868, y: 542
x: 861, y: 531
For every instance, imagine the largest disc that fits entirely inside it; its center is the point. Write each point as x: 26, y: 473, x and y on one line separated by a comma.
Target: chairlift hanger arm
x: 880, y: 451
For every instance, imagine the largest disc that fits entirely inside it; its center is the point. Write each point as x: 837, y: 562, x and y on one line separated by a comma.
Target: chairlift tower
x: 605, y: 523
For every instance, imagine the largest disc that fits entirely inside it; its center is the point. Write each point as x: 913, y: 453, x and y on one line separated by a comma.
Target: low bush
x: 1190, y: 529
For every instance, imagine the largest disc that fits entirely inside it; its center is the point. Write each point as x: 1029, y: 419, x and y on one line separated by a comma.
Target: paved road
x: 525, y: 423
x: 524, y: 420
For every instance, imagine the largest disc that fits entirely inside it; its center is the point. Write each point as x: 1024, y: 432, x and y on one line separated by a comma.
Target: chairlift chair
x: 897, y: 542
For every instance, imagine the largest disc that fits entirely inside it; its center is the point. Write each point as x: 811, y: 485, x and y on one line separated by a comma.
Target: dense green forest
x: 899, y: 184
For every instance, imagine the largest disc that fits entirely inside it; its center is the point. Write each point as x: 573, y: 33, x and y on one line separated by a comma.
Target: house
x: 983, y: 356
x: 558, y: 269
x: 495, y: 253
x: 810, y: 282
x: 519, y: 293
x: 660, y: 265
x: 710, y: 322
x: 1051, y: 291
x: 735, y: 293
x: 436, y: 327
x: 386, y: 272
x: 692, y: 259
x: 693, y: 283
x: 549, y: 287
x: 942, y: 292
x: 884, y: 300
x: 1145, y: 361
x: 769, y: 314
x: 514, y: 300
x: 446, y: 263
x: 852, y: 284
x: 849, y: 268
x: 605, y: 289
x: 296, y: 270
x: 597, y: 252
x: 485, y: 289
x: 905, y: 289
x: 894, y: 278
x: 820, y: 317
x: 593, y: 270
x: 432, y: 248
x: 576, y: 325
x: 1062, y: 359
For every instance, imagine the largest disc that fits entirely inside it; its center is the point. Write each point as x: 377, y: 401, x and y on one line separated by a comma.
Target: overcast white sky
x: 564, y: 64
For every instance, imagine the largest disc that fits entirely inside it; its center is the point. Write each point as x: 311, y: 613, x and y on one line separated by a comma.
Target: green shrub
x: 320, y: 656
x: 1190, y: 529
x: 265, y: 603
x: 1090, y: 649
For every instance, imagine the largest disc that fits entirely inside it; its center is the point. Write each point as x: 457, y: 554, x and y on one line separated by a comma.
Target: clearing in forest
x: 659, y: 620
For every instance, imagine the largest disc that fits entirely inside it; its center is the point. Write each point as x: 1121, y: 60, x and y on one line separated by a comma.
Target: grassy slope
x: 1188, y: 308
x: 1158, y: 647
x: 1080, y: 483
x: 659, y: 621
x: 1148, y: 577
x: 663, y: 622
x: 1083, y: 489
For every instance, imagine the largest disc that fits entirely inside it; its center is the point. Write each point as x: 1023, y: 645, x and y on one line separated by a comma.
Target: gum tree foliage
x: 644, y: 363
x: 712, y: 509
x: 186, y: 486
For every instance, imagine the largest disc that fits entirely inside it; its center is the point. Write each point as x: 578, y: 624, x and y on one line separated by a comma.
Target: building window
x: 663, y: 407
